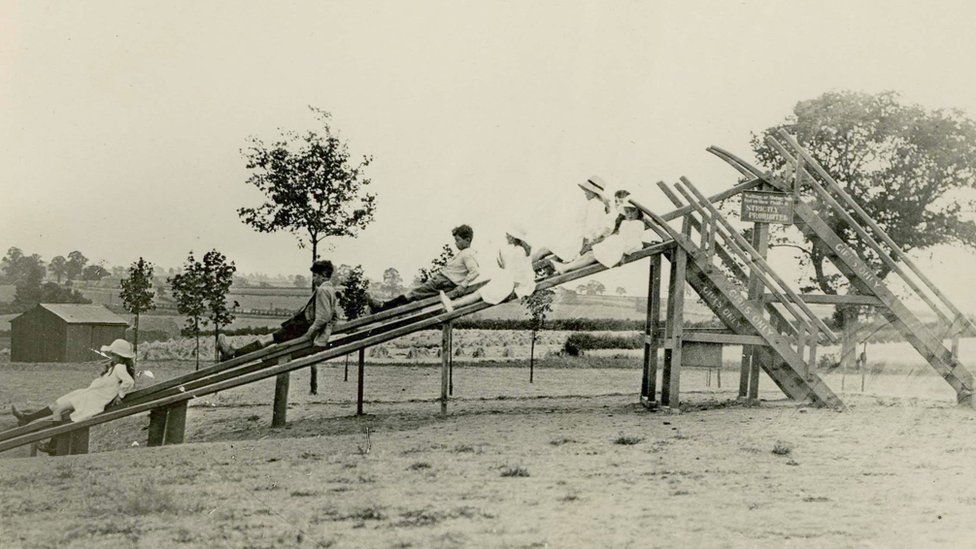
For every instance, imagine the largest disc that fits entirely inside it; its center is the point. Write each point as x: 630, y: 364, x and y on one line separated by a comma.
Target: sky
x: 121, y: 124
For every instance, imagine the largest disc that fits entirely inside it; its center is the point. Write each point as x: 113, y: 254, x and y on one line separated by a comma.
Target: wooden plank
x: 829, y: 299
x: 279, y: 410
x: 671, y: 377
x: 361, y: 381
x: 175, y: 423
x: 652, y: 340
x: 157, y: 427
x: 445, y: 358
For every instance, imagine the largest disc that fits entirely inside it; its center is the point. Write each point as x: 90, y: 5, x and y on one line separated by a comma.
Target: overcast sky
x: 121, y: 123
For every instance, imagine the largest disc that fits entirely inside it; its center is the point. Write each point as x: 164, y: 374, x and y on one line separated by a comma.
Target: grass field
x: 569, y: 460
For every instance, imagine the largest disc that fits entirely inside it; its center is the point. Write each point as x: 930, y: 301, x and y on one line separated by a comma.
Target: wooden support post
x: 359, y: 389
x: 157, y: 426
x: 752, y: 356
x: 652, y: 338
x: 450, y: 363
x: 175, y: 423
x: 671, y: 382
x: 61, y: 444
x: 279, y: 411
x: 79, y: 441
x: 801, y: 340
x: 445, y: 362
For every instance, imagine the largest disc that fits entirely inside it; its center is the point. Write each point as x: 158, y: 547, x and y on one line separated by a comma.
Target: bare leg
x: 450, y: 305
x: 581, y: 261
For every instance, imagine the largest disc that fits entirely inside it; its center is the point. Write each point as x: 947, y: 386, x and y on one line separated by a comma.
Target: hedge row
x: 577, y: 343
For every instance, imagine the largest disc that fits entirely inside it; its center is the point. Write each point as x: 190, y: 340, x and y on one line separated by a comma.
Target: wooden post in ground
x: 652, y: 338
x: 671, y: 377
x: 752, y: 355
x: 175, y: 423
x: 359, y: 389
x: 157, y: 427
x: 79, y: 441
x: 279, y: 410
x: 445, y: 363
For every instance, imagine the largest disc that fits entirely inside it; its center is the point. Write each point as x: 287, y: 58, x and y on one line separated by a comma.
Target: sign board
x: 767, y: 207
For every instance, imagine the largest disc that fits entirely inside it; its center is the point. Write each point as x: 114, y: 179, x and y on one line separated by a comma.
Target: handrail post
x: 279, y: 410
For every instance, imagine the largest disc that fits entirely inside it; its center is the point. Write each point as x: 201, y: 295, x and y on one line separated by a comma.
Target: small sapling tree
x: 353, y: 299
x: 137, y: 293
x: 539, y: 305
x: 190, y: 293
x: 218, y: 275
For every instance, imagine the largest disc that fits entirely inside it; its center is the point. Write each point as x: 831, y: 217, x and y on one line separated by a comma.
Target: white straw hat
x: 119, y: 347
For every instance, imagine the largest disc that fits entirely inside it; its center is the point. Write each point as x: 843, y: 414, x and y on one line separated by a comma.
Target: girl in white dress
x: 515, y: 274
x: 113, y: 384
x: 628, y: 236
x: 591, y: 222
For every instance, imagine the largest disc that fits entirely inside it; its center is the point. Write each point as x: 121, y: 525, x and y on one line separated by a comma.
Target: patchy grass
x: 419, y: 466
x: 561, y: 441
x: 515, y: 472
x: 782, y: 448
x: 626, y: 440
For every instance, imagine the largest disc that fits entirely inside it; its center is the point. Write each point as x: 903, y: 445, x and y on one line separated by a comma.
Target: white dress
x: 588, y: 221
x: 93, y: 399
x: 628, y: 239
x: 516, y: 274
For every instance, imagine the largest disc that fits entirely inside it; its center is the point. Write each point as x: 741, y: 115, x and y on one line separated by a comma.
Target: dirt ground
x: 570, y: 460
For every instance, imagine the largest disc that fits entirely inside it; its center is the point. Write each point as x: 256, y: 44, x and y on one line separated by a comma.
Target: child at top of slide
x: 628, y: 236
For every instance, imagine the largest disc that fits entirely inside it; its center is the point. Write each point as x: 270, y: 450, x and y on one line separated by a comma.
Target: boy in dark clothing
x: 314, y: 320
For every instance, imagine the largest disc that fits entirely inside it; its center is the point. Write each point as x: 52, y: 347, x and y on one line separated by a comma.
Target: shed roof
x: 84, y: 314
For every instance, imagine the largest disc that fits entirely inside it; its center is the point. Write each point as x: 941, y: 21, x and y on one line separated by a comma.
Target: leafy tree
x: 137, y: 293
x: 593, y: 288
x: 17, y: 268
x: 218, y: 275
x: 353, y: 299
x: 313, y: 188
x: 94, y: 272
x: 302, y: 282
x: 621, y: 290
x: 447, y: 254
x: 539, y: 305
x: 26, y: 273
x: 58, y: 267
x: 189, y: 290
x: 903, y: 164
x: 76, y: 264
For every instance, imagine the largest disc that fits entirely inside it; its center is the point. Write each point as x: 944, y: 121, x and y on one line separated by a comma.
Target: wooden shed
x: 62, y: 332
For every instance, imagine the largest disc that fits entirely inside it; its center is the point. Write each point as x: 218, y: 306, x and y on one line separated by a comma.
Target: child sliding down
x: 591, y: 222
x: 628, y: 236
x: 516, y: 275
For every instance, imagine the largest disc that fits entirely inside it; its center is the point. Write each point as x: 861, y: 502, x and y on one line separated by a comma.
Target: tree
x: 903, y: 164
x: 447, y: 253
x: 392, y: 281
x: 94, y: 272
x: 137, y: 293
x: 301, y: 281
x: 58, y: 267
x: 313, y: 189
x: 218, y: 276
x: 621, y: 290
x: 190, y: 293
x: 539, y: 305
x: 75, y: 265
x: 353, y: 299
x: 593, y: 288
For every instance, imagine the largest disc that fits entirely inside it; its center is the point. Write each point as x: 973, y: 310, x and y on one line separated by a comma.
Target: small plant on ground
x: 418, y: 466
x: 626, y: 440
x: 561, y: 441
x: 515, y: 472
x: 782, y: 448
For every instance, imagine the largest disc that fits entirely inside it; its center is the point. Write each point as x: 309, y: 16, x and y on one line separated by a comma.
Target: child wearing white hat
x: 629, y: 235
x: 114, y: 382
x: 515, y: 274
x: 593, y: 220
